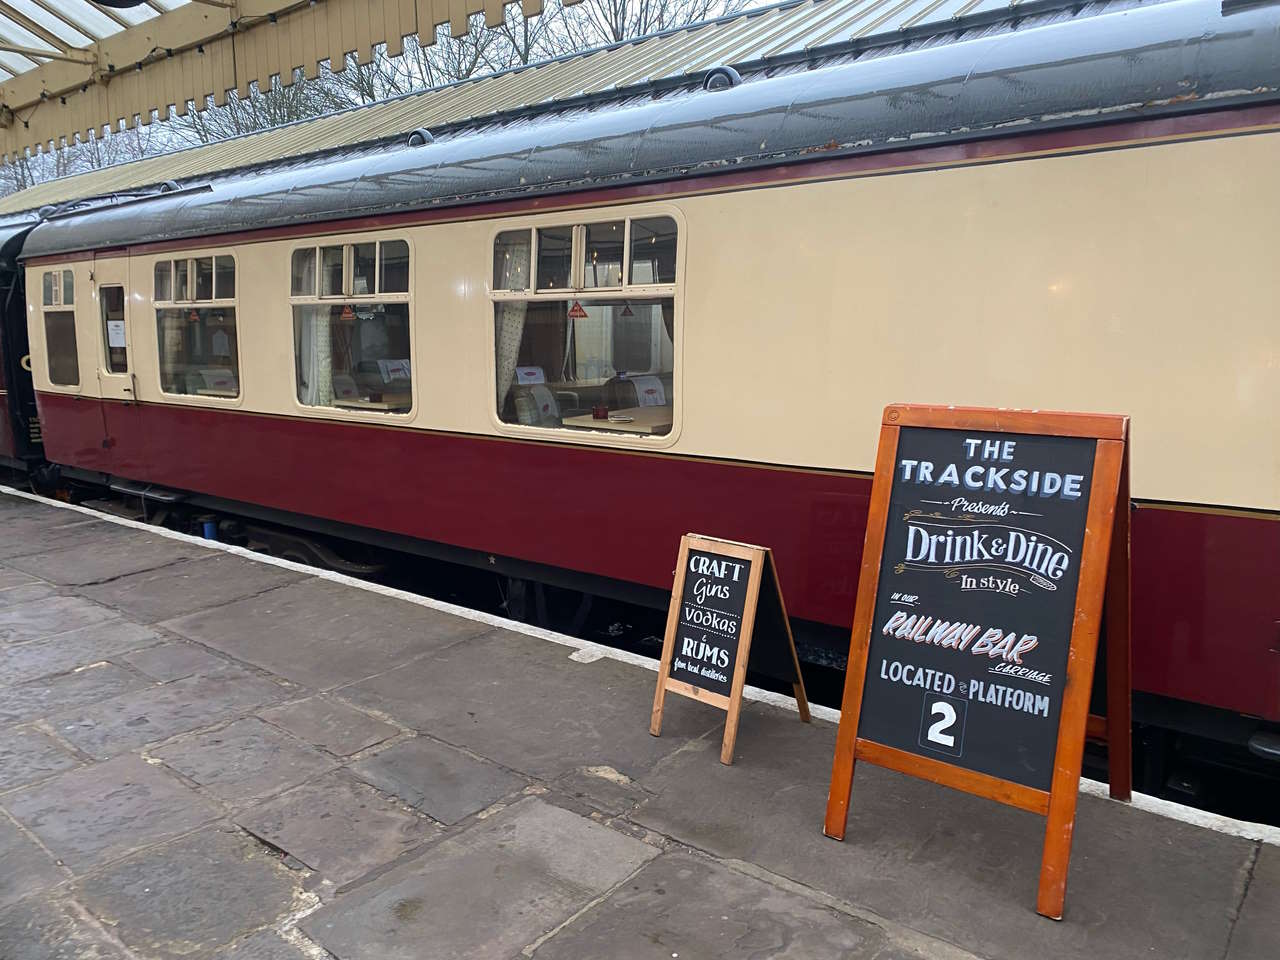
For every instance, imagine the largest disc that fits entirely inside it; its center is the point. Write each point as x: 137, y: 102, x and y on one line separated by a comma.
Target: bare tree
x: 559, y: 30
x: 261, y: 110
x: 595, y: 22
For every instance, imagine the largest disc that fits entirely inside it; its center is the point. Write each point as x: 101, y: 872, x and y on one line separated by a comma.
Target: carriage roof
x: 1060, y: 67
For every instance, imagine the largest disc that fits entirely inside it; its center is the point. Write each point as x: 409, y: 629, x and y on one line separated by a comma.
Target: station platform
x: 204, y: 753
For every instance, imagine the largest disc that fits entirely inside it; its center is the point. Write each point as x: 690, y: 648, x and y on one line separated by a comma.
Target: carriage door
x: 120, y: 412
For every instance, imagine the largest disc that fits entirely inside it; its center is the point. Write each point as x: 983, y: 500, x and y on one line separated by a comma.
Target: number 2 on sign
x: 942, y: 724
x: 948, y: 714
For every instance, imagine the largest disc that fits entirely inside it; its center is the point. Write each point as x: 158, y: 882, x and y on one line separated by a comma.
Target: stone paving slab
x: 537, y: 865
x: 324, y: 634
x: 44, y: 530
x: 156, y: 713
x: 36, y: 619
x: 186, y: 898
x: 683, y: 906
x: 442, y: 782
x: 245, y: 760
x: 90, y: 816
x: 23, y: 593
x: 174, y: 661
x: 25, y: 869
x: 1257, y: 932
x: 200, y: 581
x: 27, y: 755
x: 924, y: 856
x: 41, y: 698
x: 601, y: 788
x: 10, y: 578
x: 330, y: 725
x: 52, y: 930
x: 76, y: 648
x: 523, y: 703
x: 74, y: 565
x: 337, y: 826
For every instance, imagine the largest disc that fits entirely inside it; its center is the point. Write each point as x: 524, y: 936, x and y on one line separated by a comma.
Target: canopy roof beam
x: 201, y: 49
x: 33, y: 28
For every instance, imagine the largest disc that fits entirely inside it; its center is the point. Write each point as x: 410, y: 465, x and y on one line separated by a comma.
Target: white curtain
x: 315, y: 356
x: 509, y: 316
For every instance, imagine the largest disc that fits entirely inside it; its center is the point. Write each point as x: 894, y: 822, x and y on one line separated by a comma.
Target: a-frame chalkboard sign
x: 991, y: 538
x: 726, y: 616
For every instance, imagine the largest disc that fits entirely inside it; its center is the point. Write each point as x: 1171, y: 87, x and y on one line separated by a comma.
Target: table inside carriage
x: 648, y: 420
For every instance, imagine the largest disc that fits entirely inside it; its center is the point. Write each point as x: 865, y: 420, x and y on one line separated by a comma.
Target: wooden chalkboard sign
x: 979, y: 604
x: 726, y: 616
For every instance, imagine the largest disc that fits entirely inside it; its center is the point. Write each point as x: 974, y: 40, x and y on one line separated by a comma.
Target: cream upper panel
x: 1138, y: 281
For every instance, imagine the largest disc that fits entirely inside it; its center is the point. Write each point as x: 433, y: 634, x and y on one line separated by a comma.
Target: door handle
x: 25, y: 362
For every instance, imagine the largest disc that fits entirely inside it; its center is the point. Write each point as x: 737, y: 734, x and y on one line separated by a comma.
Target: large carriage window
x: 585, y: 359
x: 195, y: 306
x: 351, y: 341
x: 60, y: 347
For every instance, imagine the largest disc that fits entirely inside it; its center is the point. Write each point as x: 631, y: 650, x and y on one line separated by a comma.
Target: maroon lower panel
x: 1204, y: 606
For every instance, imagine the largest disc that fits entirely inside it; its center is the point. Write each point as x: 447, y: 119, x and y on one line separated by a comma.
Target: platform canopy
x: 71, y: 66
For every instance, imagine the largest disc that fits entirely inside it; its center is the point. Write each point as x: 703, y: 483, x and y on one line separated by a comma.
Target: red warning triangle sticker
x: 576, y: 312
x: 348, y: 313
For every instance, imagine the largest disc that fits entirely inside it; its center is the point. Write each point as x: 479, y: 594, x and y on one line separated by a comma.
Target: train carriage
x: 551, y: 343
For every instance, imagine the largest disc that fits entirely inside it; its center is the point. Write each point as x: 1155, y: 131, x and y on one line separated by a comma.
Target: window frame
x: 579, y: 219
x: 59, y: 289
x: 104, y: 334
x: 193, y: 304
x: 347, y: 242
x: 37, y: 304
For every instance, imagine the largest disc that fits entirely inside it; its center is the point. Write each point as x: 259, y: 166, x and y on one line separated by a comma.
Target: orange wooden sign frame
x: 760, y: 558
x: 1104, y: 559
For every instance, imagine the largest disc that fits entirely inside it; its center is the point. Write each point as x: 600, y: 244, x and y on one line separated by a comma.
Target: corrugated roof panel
x: 746, y: 39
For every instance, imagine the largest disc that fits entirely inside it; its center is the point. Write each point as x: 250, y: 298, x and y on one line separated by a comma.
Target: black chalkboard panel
x: 976, y: 599
x: 727, y: 617
x: 709, y: 627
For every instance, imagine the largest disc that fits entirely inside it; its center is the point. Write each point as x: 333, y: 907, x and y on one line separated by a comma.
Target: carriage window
x: 58, y: 288
x: 303, y: 283
x: 224, y: 278
x: 555, y: 257
x: 355, y: 353
x: 586, y: 364
x: 353, y: 356
x: 511, y: 260
x: 583, y: 359
x: 204, y: 278
x: 653, y: 251
x: 195, y: 327
x: 364, y: 263
x: 163, y: 289
x: 111, y: 301
x: 331, y: 271
x: 60, y: 347
x: 602, y: 260
x: 198, y: 351
x: 393, y: 265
